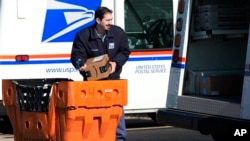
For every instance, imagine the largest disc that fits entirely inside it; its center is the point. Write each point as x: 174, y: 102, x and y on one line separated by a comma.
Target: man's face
x: 106, y: 22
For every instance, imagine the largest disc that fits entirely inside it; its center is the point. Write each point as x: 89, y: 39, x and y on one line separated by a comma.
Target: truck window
x: 149, y: 24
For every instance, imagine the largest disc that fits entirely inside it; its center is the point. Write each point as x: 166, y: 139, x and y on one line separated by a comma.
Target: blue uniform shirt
x: 88, y: 44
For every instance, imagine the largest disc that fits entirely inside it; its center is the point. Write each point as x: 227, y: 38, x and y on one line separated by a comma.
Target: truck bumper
x: 205, y: 124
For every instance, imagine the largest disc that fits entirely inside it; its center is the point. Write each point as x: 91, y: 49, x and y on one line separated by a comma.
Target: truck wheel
x: 217, y: 137
x: 152, y: 116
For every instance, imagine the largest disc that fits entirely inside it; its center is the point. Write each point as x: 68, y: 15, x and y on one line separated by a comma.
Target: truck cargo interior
x: 216, y: 53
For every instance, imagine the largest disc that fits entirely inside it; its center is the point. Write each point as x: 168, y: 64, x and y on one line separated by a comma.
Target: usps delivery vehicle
x: 189, y: 64
x: 36, y: 40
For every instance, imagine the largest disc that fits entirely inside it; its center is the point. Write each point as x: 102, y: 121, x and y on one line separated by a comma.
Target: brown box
x: 221, y: 85
x: 98, y: 67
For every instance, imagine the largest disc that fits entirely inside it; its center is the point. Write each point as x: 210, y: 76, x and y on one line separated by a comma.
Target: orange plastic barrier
x: 27, y: 125
x: 89, y: 110
x: 104, y: 93
x: 82, y: 111
x: 97, y: 124
x: 9, y: 97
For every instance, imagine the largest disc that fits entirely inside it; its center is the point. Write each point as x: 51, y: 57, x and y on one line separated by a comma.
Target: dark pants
x: 121, y: 133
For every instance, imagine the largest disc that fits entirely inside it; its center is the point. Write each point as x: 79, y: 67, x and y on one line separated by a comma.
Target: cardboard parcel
x: 98, y: 67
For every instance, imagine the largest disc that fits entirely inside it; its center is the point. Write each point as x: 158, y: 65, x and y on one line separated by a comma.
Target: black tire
x: 152, y: 116
x: 217, y: 137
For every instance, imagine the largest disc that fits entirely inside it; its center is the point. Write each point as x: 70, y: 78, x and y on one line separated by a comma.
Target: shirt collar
x: 94, y: 35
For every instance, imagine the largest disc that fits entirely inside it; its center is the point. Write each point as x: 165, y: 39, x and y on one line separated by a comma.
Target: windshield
x: 149, y: 23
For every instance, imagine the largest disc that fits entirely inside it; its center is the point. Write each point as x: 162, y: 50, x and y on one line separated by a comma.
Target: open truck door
x: 209, y: 82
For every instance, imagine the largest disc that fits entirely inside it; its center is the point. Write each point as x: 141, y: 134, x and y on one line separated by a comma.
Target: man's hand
x: 113, y: 66
x: 83, y: 68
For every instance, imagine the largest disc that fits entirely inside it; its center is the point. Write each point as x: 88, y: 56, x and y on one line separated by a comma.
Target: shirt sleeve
x: 78, y: 52
x: 124, y: 51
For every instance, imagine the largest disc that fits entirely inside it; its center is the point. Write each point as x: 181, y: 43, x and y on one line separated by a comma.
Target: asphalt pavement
x: 138, y: 129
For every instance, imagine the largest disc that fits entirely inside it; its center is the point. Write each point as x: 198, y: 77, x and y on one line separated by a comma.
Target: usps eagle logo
x: 64, y: 18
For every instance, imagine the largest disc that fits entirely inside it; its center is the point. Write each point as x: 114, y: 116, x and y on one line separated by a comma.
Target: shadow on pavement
x: 5, y: 126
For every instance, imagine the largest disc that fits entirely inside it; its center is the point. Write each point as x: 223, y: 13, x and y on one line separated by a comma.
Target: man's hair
x: 101, y: 11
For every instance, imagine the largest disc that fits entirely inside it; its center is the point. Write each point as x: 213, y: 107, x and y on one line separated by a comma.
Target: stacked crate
x: 221, y: 17
x: 28, y: 111
x: 65, y: 111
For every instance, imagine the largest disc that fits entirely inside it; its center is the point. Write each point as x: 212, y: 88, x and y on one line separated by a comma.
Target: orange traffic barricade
x: 27, y: 108
x: 65, y: 111
x: 89, y: 110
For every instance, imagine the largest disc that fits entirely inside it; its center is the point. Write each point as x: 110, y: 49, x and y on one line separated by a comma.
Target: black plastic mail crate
x: 34, y: 95
x: 33, y: 98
